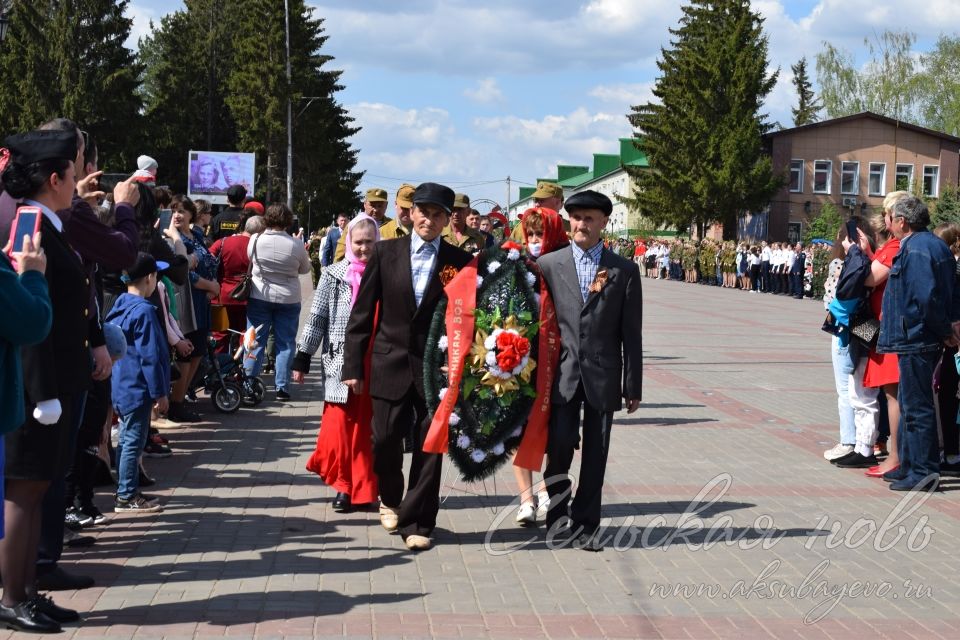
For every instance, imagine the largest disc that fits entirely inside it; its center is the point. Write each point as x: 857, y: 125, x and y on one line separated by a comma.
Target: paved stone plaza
x: 738, y: 393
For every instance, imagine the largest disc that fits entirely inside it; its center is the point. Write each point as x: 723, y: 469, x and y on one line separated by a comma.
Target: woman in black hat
x: 41, y: 173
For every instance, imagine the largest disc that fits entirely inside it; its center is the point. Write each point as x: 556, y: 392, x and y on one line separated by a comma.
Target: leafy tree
x: 940, y: 86
x: 886, y: 84
x: 703, y: 135
x: 808, y: 105
x: 824, y: 225
x: 68, y: 59
x: 947, y: 207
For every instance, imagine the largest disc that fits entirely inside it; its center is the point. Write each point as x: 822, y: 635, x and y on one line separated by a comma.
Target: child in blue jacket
x: 140, y: 379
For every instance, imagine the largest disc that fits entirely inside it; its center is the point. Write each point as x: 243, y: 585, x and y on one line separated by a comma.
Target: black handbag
x: 864, y: 327
x: 241, y: 293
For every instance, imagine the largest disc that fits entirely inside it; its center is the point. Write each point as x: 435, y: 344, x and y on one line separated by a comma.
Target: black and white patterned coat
x: 325, y: 329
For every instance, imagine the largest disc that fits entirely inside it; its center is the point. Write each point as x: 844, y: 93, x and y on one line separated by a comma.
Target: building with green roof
x: 607, y: 176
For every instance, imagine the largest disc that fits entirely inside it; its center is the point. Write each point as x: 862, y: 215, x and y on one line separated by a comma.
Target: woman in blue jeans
x: 843, y: 365
x: 278, y: 261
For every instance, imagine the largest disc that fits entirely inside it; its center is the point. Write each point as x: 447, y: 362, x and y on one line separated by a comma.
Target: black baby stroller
x: 225, y: 379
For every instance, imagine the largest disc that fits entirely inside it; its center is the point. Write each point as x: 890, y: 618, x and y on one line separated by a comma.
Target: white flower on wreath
x: 491, y: 341
x: 498, y: 449
x: 478, y: 455
x: 442, y: 343
x: 479, y: 281
x: 516, y: 432
x: 442, y: 393
x: 454, y: 419
x: 493, y: 266
x: 463, y: 441
x: 531, y: 279
x: 513, y: 254
x: 491, y: 359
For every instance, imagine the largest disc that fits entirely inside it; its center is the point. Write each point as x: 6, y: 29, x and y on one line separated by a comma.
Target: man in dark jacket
x: 921, y: 309
x: 227, y: 222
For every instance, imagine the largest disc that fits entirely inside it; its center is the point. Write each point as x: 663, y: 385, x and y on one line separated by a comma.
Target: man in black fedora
x: 395, y: 304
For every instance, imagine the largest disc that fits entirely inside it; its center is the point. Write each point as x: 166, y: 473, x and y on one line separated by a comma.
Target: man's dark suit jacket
x: 402, y: 327
x: 601, y: 343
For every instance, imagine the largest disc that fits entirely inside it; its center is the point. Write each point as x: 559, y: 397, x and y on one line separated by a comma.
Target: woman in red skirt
x: 882, y: 370
x: 344, y: 455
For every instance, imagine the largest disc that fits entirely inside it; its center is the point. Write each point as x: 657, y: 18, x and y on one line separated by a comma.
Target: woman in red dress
x: 234, y: 264
x: 542, y: 233
x: 882, y: 370
x: 344, y: 455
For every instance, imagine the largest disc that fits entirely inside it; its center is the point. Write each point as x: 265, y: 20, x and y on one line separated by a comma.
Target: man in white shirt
x: 765, y: 255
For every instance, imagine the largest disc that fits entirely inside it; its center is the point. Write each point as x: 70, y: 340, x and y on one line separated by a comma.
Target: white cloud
x: 384, y: 124
x: 141, y: 16
x: 624, y: 94
x: 485, y: 92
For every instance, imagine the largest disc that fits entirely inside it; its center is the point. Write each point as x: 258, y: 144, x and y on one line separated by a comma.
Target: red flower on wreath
x: 511, y: 348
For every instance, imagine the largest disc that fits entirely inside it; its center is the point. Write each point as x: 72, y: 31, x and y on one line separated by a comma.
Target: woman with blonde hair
x: 881, y: 370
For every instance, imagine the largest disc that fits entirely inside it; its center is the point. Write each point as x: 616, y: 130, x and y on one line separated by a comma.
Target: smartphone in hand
x: 27, y: 223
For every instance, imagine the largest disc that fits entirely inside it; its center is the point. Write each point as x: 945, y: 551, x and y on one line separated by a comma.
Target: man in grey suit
x: 600, y: 311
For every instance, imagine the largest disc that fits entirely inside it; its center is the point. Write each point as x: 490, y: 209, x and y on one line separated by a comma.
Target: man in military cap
x: 458, y: 233
x: 375, y: 206
x: 403, y: 223
x: 548, y: 195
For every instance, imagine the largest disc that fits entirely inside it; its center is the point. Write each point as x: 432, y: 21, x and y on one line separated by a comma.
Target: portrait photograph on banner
x: 211, y: 173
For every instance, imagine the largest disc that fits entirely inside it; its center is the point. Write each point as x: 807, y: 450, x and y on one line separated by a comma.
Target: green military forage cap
x: 376, y: 195
x: 548, y: 190
x: 405, y: 195
x: 461, y: 200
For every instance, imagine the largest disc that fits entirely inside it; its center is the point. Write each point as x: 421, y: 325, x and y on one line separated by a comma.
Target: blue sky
x: 467, y: 92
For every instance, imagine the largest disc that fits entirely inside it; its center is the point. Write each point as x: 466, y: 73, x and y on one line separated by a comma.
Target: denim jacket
x: 920, y: 301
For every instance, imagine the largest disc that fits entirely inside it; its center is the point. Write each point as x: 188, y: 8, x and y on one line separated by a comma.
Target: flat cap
x: 589, y: 200
x: 548, y: 190
x: 376, y: 194
x: 433, y: 193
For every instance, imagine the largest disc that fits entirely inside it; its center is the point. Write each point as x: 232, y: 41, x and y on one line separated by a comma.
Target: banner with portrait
x: 211, y: 173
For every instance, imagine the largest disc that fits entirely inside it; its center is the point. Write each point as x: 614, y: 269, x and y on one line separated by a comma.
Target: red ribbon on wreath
x: 533, y: 446
x: 461, y: 303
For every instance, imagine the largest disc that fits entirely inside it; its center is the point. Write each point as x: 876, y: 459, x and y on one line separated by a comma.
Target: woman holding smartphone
x: 56, y: 371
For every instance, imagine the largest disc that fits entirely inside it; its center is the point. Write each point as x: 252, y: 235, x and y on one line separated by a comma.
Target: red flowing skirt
x: 882, y: 368
x: 343, y: 457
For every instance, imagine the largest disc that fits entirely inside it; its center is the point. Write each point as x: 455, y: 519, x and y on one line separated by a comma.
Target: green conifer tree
x: 68, y: 59
x: 808, y: 105
x: 703, y: 136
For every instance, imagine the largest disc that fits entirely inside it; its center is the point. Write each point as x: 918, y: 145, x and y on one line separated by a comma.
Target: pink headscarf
x: 356, y: 268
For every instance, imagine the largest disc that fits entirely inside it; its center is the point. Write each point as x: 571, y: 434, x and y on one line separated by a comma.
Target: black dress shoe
x: 893, y: 476
x: 59, y: 580
x: 27, y: 616
x: 856, y: 461
x: 341, y: 503
x: 588, y: 542
x: 56, y: 613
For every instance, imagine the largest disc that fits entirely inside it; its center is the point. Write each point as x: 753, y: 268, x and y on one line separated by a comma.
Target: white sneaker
x: 527, y: 514
x: 543, y: 504
x: 838, y: 451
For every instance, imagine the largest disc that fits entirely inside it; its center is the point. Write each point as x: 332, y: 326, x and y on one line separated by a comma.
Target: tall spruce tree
x: 703, y: 137
x: 68, y: 59
x: 187, y: 58
x: 808, y: 105
x: 215, y: 78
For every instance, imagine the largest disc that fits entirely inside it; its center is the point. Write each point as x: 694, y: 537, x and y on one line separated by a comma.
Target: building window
x: 796, y: 176
x: 878, y: 179
x: 822, y: 170
x: 931, y: 181
x: 904, y: 177
x: 849, y: 178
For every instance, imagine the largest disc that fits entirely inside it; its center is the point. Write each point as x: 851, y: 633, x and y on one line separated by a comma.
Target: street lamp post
x: 286, y: 11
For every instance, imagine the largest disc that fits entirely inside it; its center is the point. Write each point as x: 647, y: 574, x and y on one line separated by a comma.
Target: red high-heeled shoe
x: 874, y: 472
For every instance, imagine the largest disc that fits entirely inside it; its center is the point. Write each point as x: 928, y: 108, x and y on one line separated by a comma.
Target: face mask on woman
x: 534, y: 248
